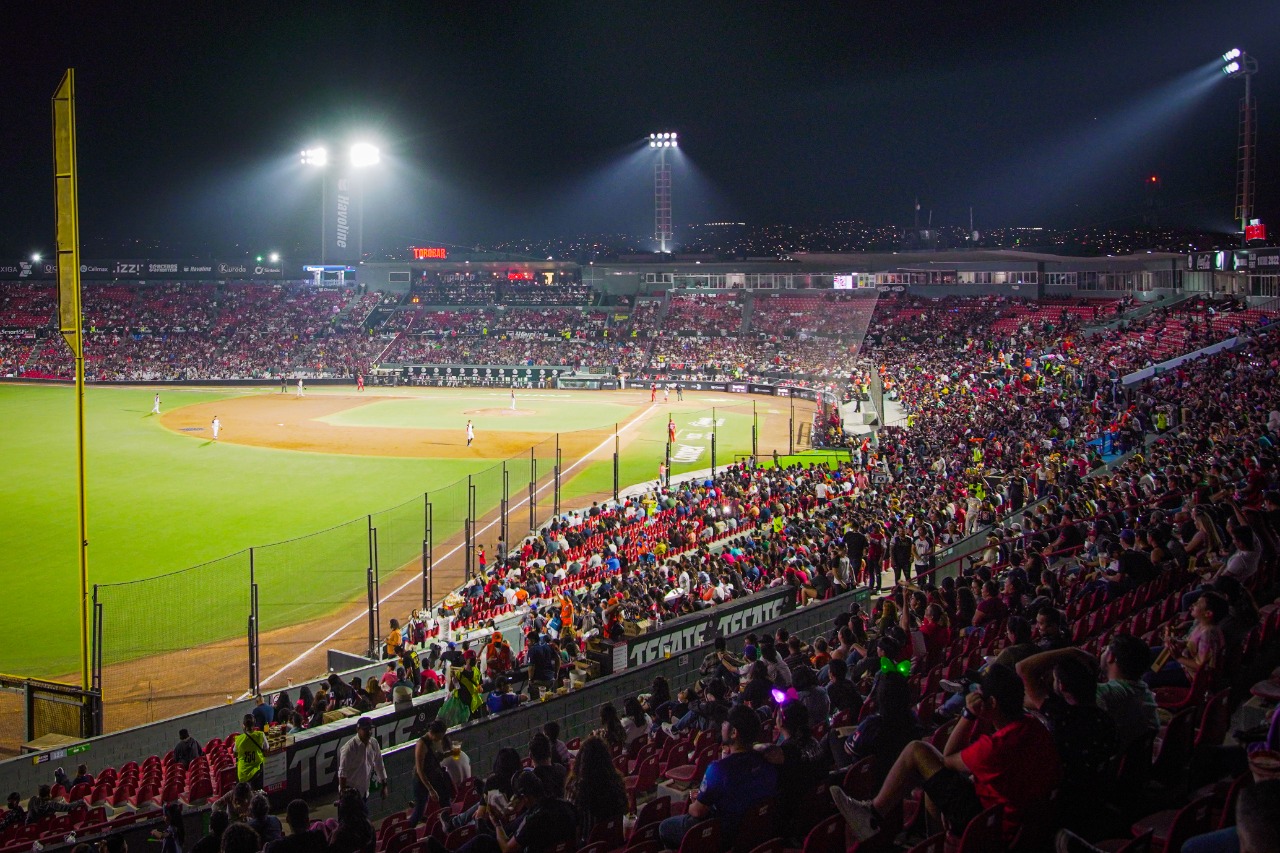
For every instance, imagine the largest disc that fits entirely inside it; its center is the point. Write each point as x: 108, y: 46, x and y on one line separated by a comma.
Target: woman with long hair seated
x: 595, y: 786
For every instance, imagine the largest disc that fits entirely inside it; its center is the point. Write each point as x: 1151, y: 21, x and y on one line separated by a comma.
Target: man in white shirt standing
x: 360, y: 762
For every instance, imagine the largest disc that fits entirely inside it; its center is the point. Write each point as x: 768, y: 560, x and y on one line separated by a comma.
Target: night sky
x: 501, y: 120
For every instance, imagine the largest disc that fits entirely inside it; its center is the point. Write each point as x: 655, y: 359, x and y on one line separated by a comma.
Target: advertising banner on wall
x: 341, y: 217
x: 308, y: 767
x: 28, y: 270
x: 247, y: 270
x: 690, y: 632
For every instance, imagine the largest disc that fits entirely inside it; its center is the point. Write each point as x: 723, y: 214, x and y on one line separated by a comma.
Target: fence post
x: 505, y: 505
x: 428, y: 561
x: 791, y: 428
x: 96, y: 663
x: 667, y: 474
x: 475, y: 522
x: 371, y: 597
x: 755, y: 433
x: 533, y: 489
x: 377, y: 580
x: 96, y: 659
x: 252, y: 628
x: 468, y: 536
x: 615, y: 461
x: 555, y: 499
x: 713, y: 441
x: 426, y: 546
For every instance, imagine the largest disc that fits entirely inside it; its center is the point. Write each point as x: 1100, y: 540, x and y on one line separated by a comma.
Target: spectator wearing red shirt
x: 1017, y: 766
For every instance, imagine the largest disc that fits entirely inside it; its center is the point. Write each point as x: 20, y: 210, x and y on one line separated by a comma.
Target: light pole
x: 662, y: 189
x: 319, y: 158
x: 1241, y: 64
x: 363, y: 155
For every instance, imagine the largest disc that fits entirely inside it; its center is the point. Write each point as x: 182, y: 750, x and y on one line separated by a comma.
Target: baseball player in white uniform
x: 217, y: 426
x: 300, y: 394
x: 155, y: 405
x: 471, y: 433
x: 513, y: 398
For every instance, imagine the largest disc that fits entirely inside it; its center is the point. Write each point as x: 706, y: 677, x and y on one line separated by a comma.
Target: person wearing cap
x: 547, y: 821
x: 497, y: 656
x: 360, y: 763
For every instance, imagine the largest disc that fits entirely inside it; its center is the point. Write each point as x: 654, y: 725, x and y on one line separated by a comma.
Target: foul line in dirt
x: 455, y: 549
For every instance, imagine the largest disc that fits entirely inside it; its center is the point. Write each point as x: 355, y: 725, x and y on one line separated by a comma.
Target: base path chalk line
x: 455, y: 549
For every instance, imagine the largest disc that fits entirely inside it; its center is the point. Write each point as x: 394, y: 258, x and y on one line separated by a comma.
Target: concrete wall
x: 22, y: 775
x: 579, y: 712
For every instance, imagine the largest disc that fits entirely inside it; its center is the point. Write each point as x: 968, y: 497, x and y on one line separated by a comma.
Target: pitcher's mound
x: 499, y: 413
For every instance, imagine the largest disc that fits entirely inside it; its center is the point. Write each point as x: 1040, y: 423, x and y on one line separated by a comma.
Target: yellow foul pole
x: 67, y: 215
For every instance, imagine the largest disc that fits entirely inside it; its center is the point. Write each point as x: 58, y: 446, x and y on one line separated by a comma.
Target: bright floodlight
x: 315, y: 157
x: 274, y: 257
x: 35, y: 259
x: 1231, y: 67
x: 653, y: 143
x: 364, y: 154
x: 1234, y: 53
x: 653, y: 136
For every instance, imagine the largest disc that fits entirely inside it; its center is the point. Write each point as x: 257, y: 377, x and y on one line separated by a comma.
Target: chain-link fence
x: 208, y: 634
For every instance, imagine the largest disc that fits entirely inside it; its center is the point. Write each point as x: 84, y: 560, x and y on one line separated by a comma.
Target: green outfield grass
x: 160, y: 502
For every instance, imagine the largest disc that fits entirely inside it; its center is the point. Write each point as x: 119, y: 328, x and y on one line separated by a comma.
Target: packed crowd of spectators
x: 1044, y: 638
x: 829, y: 315
x: 207, y: 331
x: 1168, y: 549
x: 514, y: 293
x: 710, y: 314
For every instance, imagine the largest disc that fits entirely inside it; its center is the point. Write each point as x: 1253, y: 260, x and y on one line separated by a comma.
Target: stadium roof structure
x: 967, y: 257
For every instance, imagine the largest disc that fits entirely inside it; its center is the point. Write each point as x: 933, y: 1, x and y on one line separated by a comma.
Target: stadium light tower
x: 662, y: 142
x: 360, y: 156
x: 1241, y: 64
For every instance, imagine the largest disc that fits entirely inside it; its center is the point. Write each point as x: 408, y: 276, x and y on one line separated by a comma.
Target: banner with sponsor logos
x: 248, y: 270
x: 147, y: 270
x: 1267, y: 260
x: 341, y: 217
x: 693, y: 631
x: 308, y: 767
x: 28, y: 270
